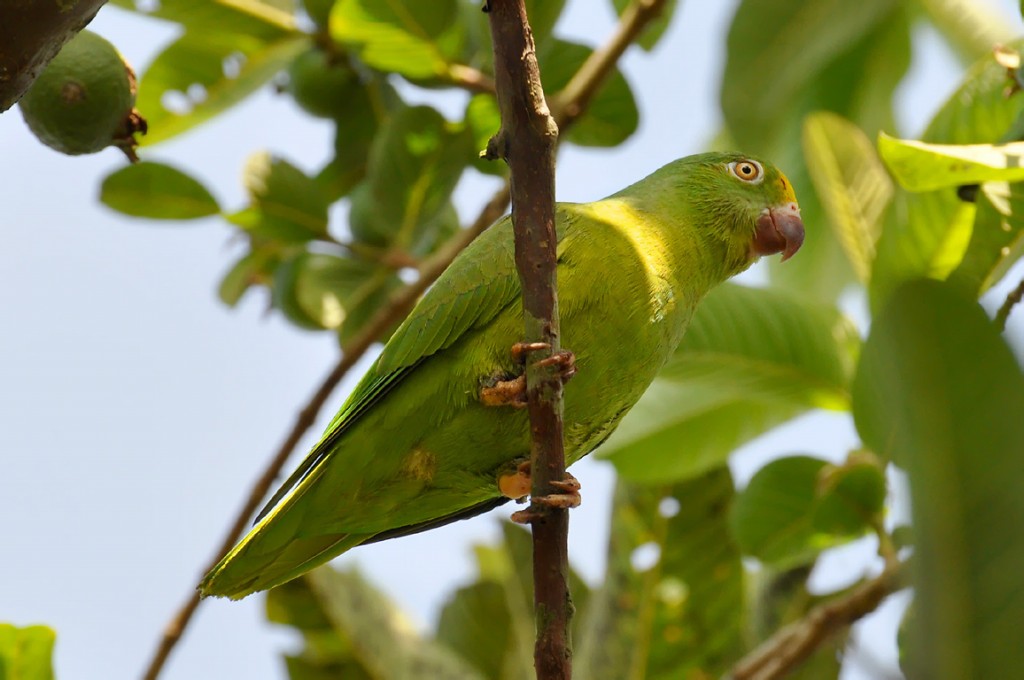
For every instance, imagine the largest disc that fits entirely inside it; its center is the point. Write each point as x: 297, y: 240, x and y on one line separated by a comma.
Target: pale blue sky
x: 135, y: 409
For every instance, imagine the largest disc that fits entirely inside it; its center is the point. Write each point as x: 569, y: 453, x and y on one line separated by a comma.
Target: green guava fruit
x: 83, y: 100
x: 320, y: 87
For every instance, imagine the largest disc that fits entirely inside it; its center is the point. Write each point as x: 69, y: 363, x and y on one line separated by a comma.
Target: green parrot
x: 432, y: 432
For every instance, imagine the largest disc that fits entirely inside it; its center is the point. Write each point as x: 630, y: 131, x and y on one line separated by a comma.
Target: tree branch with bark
x: 527, y: 141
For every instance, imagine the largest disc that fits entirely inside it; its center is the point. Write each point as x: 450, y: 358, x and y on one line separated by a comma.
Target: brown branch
x: 398, y: 306
x: 527, y: 141
x: 470, y: 79
x: 1008, y: 304
x: 793, y: 644
x: 572, y: 101
x: 31, y: 34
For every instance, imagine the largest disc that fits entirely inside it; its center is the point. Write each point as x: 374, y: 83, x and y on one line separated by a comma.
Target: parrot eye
x: 747, y: 171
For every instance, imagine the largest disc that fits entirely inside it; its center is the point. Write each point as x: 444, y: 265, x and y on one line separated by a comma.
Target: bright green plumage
x: 413, y: 447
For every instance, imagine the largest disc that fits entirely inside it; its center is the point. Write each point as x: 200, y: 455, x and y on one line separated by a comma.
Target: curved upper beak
x: 779, y: 230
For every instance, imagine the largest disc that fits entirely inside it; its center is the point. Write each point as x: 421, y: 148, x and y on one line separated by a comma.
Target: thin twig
x: 1004, y: 311
x: 527, y: 141
x: 572, y: 101
x: 470, y: 79
x: 790, y: 646
x: 398, y: 306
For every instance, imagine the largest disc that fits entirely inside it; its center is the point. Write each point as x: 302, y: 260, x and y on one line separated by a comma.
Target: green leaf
x: 751, y: 359
x: 996, y: 238
x: 368, y: 106
x: 252, y: 17
x: 543, y: 15
x: 778, y: 598
x: 208, y: 73
x: 287, y: 206
x: 26, y: 653
x: 655, y: 29
x: 484, y: 120
x: 391, y: 35
x: 255, y: 267
x: 671, y: 605
x: 415, y: 162
x: 490, y: 648
x: 320, y: 291
x: 352, y: 631
x: 381, y: 637
x: 919, y: 166
x: 940, y: 393
x: 612, y: 116
x: 932, y: 230
x: 157, y: 191
x: 851, y: 181
x: 795, y: 507
x: 850, y: 497
x: 859, y: 53
x: 776, y: 49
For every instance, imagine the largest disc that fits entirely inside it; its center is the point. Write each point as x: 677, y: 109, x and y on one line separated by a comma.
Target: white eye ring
x: 747, y: 171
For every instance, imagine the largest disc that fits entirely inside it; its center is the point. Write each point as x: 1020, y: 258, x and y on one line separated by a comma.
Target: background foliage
x: 698, y: 571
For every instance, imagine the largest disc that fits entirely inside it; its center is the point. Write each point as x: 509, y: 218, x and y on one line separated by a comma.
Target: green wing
x: 470, y: 293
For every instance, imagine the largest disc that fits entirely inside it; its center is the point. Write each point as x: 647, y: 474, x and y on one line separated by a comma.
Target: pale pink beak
x: 779, y: 230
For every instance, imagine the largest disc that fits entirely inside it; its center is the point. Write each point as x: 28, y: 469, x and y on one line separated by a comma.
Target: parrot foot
x: 505, y: 393
x: 539, y: 505
x: 512, y: 391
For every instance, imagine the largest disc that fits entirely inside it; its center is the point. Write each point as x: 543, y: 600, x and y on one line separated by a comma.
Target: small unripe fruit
x: 83, y: 100
x: 320, y: 87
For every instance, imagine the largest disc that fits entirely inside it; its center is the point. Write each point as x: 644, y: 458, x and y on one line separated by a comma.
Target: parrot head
x: 751, y: 205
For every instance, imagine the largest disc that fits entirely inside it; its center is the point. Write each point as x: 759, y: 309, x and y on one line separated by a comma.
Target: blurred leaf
x: 930, y: 231
x: 795, y: 507
x: 26, y: 653
x: 320, y: 291
x: 940, y: 393
x: 751, y: 359
x: 776, y: 49
x: 368, y: 105
x: 655, y: 29
x: 415, y: 162
x: 671, y: 605
x: 208, y: 73
x: 475, y: 623
x: 919, y: 166
x: 287, y: 205
x: 396, y: 36
x: 543, y: 15
x: 500, y: 605
x: 850, y: 497
x: 352, y: 631
x: 970, y: 28
x: 857, y: 81
x: 255, y: 267
x: 996, y: 242
x: 612, y: 115
x: 780, y: 597
x: 851, y: 181
x: 484, y: 120
x: 251, y: 17
x: 382, y: 639
x: 909, y: 656
x: 157, y: 191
